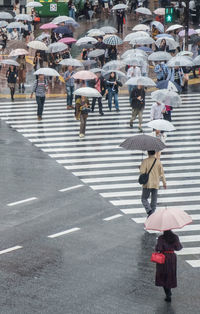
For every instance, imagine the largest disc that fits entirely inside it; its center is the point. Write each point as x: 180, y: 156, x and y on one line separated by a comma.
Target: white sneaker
x: 81, y: 135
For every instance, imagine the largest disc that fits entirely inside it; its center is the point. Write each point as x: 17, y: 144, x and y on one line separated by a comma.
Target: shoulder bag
x: 144, y: 177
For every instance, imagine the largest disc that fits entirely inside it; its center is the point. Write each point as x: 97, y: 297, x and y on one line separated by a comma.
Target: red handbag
x: 158, y: 258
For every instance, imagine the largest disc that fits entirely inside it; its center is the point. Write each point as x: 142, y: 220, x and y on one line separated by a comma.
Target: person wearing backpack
x: 155, y: 171
x: 39, y: 88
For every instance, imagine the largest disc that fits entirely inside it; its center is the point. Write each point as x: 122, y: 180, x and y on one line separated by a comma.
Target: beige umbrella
x: 18, y: 52
x: 37, y: 44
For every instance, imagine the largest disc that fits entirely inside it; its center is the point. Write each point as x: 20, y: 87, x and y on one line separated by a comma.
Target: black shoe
x: 117, y: 110
x: 101, y: 113
x: 168, y: 299
x: 131, y: 125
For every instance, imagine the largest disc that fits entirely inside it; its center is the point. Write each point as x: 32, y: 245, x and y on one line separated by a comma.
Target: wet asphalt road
x: 101, y: 268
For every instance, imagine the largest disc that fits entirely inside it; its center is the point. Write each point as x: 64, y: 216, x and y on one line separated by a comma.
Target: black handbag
x: 144, y: 177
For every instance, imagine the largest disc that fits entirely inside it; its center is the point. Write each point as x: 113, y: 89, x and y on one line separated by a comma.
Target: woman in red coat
x: 166, y: 273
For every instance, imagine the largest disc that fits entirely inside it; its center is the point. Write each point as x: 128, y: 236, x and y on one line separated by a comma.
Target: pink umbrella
x: 167, y: 218
x: 48, y: 26
x: 18, y: 52
x: 84, y: 75
x: 191, y: 31
x: 159, y: 11
x: 67, y: 40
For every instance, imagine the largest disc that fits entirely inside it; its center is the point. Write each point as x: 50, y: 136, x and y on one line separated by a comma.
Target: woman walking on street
x: 137, y: 104
x: 39, y: 88
x: 21, y: 72
x: 12, y: 80
x: 166, y: 273
x: 82, y: 109
x: 113, y: 87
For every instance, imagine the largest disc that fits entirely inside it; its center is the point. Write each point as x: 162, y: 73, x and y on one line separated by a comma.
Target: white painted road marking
x: 14, y: 248
x: 194, y: 263
x: 71, y: 188
x: 22, y: 201
x: 63, y: 232
x: 113, y: 217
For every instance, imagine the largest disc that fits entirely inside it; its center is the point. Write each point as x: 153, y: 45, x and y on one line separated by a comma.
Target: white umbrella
x: 141, y: 27
x: 56, y: 47
x: 158, y: 25
x: 143, y: 11
x: 62, y: 19
x: 138, y: 61
x: 18, y: 52
x: 142, y: 41
x: 15, y: 25
x: 3, y: 23
x: 72, y: 62
x: 96, y: 53
x: 174, y: 27
x: 113, y: 65
x: 197, y: 60
x: 181, y: 61
x: 5, y: 16
x: 10, y: 62
x: 159, y: 56
x: 159, y: 11
x: 168, y: 97
x: 87, y: 91
x: 96, y: 33
x: 108, y: 30
x: 38, y: 45
x: 185, y: 53
x: 120, y: 6
x: 47, y: 72
x: 132, y: 36
x: 162, y: 125
x: 34, y: 4
x: 96, y: 70
x: 134, y: 53
x: 42, y: 36
x: 169, y: 42
x: 23, y: 17
x: 120, y: 75
x: 140, y: 80
x: 85, y: 40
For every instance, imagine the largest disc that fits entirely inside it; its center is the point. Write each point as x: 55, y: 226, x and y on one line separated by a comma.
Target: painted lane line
x: 112, y: 217
x: 162, y: 201
x: 189, y: 251
x: 141, y: 210
x: 194, y: 263
x: 71, y: 188
x: 190, y: 238
x: 14, y: 248
x: 59, y: 234
x: 23, y: 201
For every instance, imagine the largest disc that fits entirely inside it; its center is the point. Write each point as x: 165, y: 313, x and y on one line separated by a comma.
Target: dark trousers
x: 70, y: 90
x: 83, y: 120
x: 167, y: 292
x: 146, y: 193
x: 40, y: 102
x: 99, y: 104
x: 120, y: 26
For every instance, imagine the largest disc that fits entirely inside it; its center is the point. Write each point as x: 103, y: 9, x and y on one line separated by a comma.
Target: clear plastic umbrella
x: 5, y: 16
x: 197, y: 60
x: 158, y: 25
x: 23, y: 17
x: 142, y: 41
x: 15, y: 25
x: 96, y: 70
x: 120, y: 6
x: 38, y: 45
x: 134, y: 53
x: 161, y: 124
x: 34, y: 4
x: 174, y: 27
x: 143, y: 11
x: 185, y: 53
x: 169, y: 42
x: 10, y: 62
x: 88, y: 92
x: 140, y: 80
x: 159, y: 11
x: 47, y: 72
x: 56, y: 47
x: 42, y: 36
x: 138, y: 61
x: 159, y: 56
x: 132, y: 36
x: 3, y: 23
x: 169, y: 98
x: 96, y: 33
x: 141, y: 27
x: 85, y: 40
x: 62, y: 19
x: 120, y: 75
x: 181, y: 61
x: 96, y: 53
x: 108, y: 30
x: 18, y: 52
x: 72, y: 62
x: 113, y: 65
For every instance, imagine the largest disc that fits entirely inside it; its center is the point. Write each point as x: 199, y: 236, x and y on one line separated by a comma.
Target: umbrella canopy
x: 47, y: 72
x: 72, y: 62
x: 142, y: 41
x: 86, y: 46
x: 143, y: 11
x: 120, y: 75
x: 174, y: 27
x: 96, y: 53
x: 138, y: 61
x: 34, y: 4
x: 169, y: 98
x: 62, y: 19
x: 143, y: 142
x: 113, y: 40
x: 56, y: 47
x: 15, y: 25
x: 161, y: 124
x: 84, y: 75
x: 167, y: 218
x: 197, y: 60
x: 191, y: 31
x: 23, y: 17
x: 95, y: 33
x: 10, y: 62
x: 134, y: 53
x: 159, y: 11
x: 38, y: 45
x: 141, y: 27
x: 160, y: 56
x: 3, y: 23
x: 181, y: 61
x: 120, y: 6
x: 48, y: 26
x: 88, y: 63
x: 164, y: 36
x: 64, y: 30
x: 159, y: 26
x: 132, y: 36
x: 16, y: 44
x: 108, y: 30
x: 67, y: 40
x: 86, y: 40
x: 185, y: 53
x: 18, y: 52
x: 113, y: 65
x: 169, y: 42
x: 145, y: 49
x: 165, y: 84
x: 88, y: 92
x: 96, y: 70
x: 140, y: 80
x: 5, y: 16
x: 42, y: 36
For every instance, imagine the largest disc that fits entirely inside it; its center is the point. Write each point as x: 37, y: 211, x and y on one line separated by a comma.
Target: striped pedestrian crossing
x: 113, y: 172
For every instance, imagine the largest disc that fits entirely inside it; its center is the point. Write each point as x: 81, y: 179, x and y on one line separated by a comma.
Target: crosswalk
x: 113, y: 172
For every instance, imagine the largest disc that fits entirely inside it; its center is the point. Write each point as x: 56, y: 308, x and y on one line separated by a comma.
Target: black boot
x: 19, y: 88
x: 168, y: 294
x: 23, y: 88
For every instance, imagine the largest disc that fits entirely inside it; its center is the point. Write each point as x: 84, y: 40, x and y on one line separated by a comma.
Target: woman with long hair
x: 166, y: 273
x: 12, y: 80
x: 21, y: 72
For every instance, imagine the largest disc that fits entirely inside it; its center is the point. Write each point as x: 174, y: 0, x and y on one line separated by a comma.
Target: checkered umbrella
x: 143, y: 142
x: 113, y: 40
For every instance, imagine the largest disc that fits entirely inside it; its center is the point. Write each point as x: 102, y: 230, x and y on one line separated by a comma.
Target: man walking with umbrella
x: 155, y: 169
x: 69, y: 83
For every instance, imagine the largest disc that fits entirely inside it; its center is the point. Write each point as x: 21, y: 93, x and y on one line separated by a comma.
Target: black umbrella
x: 64, y: 30
x: 143, y: 142
x: 194, y: 39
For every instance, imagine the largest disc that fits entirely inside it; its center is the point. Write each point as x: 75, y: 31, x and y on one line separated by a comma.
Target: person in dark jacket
x: 112, y: 53
x: 166, y: 273
x: 100, y: 85
x: 101, y: 45
x: 37, y: 61
x: 138, y: 104
x: 11, y: 75
x: 120, y: 20
x: 113, y: 88
x: 82, y: 109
